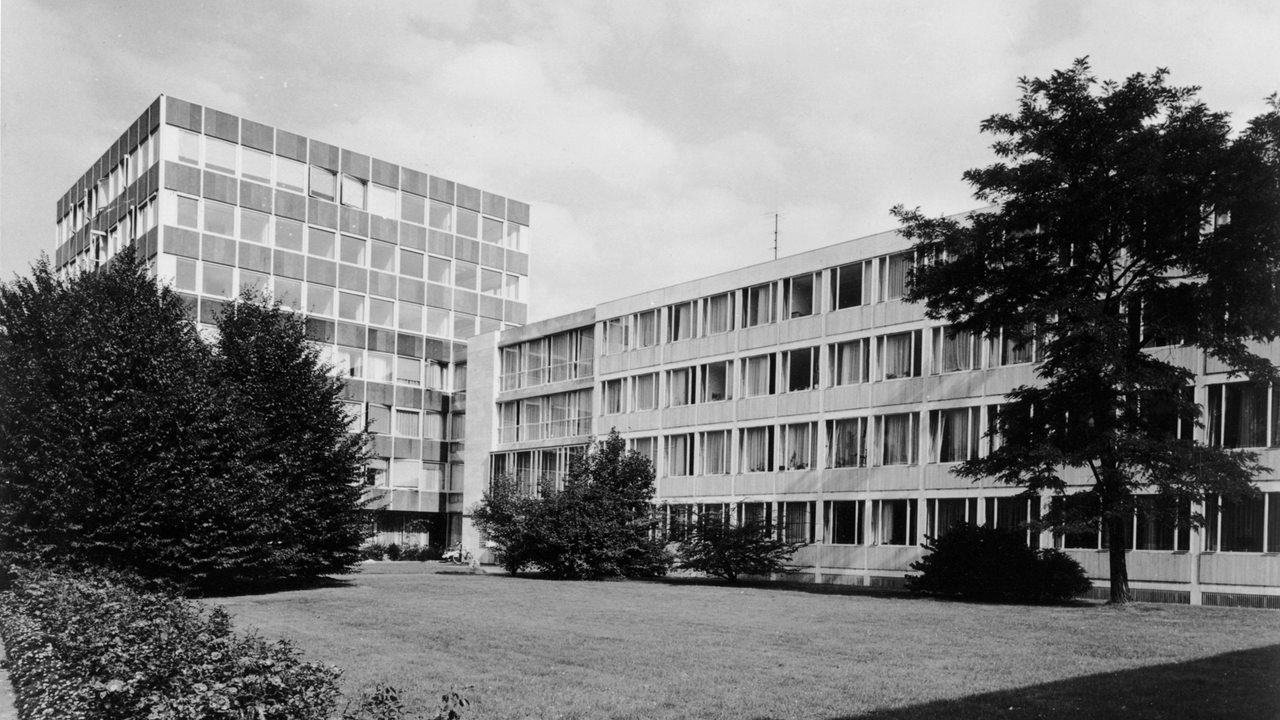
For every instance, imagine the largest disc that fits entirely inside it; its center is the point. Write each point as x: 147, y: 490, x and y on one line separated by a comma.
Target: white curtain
x: 756, y: 449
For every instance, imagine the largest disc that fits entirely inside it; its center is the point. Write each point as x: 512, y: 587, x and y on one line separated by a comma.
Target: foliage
x: 600, y: 525
x: 393, y: 551
x: 978, y: 562
x: 127, y: 439
x: 95, y: 645
x: 727, y: 551
x: 373, y: 551
x: 1127, y: 217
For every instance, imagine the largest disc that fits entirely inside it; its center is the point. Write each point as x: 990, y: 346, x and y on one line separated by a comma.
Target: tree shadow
x: 270, y: 587
x: 1242, y: 685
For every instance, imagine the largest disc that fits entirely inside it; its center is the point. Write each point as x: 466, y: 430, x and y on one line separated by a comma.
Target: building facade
x: 806, y: 393
x: 395, y: 269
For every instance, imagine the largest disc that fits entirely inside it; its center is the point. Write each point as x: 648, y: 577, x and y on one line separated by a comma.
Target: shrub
x: 373, y: 551
x: 98, y: 646
x: 727, y: 551
x: 983, y: 563
x: 393, y: 552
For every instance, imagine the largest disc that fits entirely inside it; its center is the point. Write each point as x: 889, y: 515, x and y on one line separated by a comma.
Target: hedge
x: 93, y: 645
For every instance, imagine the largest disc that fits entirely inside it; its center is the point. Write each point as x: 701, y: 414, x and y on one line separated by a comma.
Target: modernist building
x: 395, y: 269
x: 806, y: 393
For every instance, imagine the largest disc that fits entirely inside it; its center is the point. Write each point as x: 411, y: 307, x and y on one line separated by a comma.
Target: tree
x: 126, y: 439
x: 1126, y: 217
x: 600, y: 525
x: 727, y: 551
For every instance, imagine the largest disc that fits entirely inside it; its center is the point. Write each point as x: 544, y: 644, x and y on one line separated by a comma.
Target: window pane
x: 220, y: 155
x: 383, y: 256
x: 381, y: 312
x: 291, y: 175
x: 351, y: 307
x: 319, y: 242
x: 468, y: 223
x: 217, y: 280
x: 353, y: 250
x: 257, y: 165
x: 441, y: 216
x: 410, y: 319
x: 320, y: 300
x: 353, y: 192
x: 219, y: 218
x: 188, y: 212
x: 323, y: 183
x: 253, y: 226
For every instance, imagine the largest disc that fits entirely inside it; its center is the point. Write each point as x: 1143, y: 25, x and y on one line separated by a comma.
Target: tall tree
x: 1126, y: 217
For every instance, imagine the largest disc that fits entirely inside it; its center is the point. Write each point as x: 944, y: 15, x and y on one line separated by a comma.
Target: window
x: 842, y: 522
x: 759, y: 305
x: 439, y: 270
x: 535, y: 362
x: 220, y: 155
x: 893, y: 278
x: 755, y: 514
x: 900, y: 355
x: 353, y: 250
x: 219, y: 218
x: 719, y: 314
x: 323, y: 183
x: 715, y: 452
x: 408, y: 423
x: 897, y: 439
x: 680, y: 387
x: 646, y: 446
x: 1011, y: 348
x: 1014, y: 513
x: 646, y: 329
x: 895, y: 523
x: 256, y: 165
x: 955, y: 350
x: 254, y: 226
x: 714, y: 383
x: 945, y: 513
x: 848, y: 442
x: 798, y: 295
x: 801, y: 368
x: 254, y: 282
x: 382, y: 201
x: 800, y: 445
x: 615, y: 335
x: 611, y: 396
x: 680, y: 322
x: 850, y: 362
x: 408, y: 371
x: 441, y: 216
x: 411, y: 263
x: 758, y: 375
x: 491, y: 230
x: 319, y: 242
x: 188, y: 147
x: 1162, y: 524
x: 645, y: 388
x: 381, y: 312
x: 849, y: 285
x: 1238, y: 415
x: 382, y: 256
x: 955, y: 434
x: 757, y: 449
x: 351, y: 307
x: 379, y: 419
x: 185, y: 274
x: 410, y: 319
x: 350, y: 362
x: 291, y: 175
x: 1243, y: 525
x: 466, y: 222
x: 795, y: 525
x: 380, y: 367
x: 188, y: 212
x: 1079, y: 513
x: 217, y: 280
x: 679, y: 455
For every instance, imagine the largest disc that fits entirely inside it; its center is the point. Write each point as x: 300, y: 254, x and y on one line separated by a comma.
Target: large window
x: 800, y: 445
x: 799, y: 295
x: 679, y: 455
x: 757, y: 449
x: 842, y: 522
x: 716, y: 381
x: 719, y: 314
x: 1014, y: 514
x: 850, y: 362
x: 946, y: 513
x: 615, y: 336
x: 1239, y: 415
x: 849, y: 285
x: 893, y: 276
x: 611, y: 397
x: 801, y: 368
x: 900, y: 355
x: 847, y: 440
x: 759, y: 305
x: 955, y: 434
x: 645, y: 392
x: 955, y: 350
x: 895, y: 522
x: 715, y: 452
x: 680, y: 322
x: 323, y: 183
x: 758, y: 375
x: 897, y: 439
x: 680, y: 387
x: 646, y: 329
x: 1012, y: 348
x: 1243, y: 525
x: 796, y: 525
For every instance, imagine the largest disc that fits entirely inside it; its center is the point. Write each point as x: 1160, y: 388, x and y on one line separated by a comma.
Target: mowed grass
x: 531, y: 648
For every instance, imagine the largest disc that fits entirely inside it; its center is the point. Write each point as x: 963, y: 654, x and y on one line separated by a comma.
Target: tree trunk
x: 1120, y: 593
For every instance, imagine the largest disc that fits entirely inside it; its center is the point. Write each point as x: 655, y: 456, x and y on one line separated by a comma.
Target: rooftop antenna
x: 776, y: 215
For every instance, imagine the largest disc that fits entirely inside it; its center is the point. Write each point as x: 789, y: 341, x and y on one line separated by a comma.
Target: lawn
x: 532, y: 648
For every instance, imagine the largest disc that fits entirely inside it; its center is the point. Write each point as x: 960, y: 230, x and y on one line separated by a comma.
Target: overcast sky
x: 655, y: 141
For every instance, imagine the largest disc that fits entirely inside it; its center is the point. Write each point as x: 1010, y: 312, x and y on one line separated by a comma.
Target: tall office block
x: 395, y: 269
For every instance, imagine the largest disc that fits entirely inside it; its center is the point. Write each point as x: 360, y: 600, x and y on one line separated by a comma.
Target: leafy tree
x: 727, y: 551
x: 989, y: 564
x: 600, y: 525
x: 1126, y: 216
x: 126, y: 439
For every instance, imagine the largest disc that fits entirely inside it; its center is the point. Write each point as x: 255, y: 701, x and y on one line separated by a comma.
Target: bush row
x: 421, y: 553
x: 101, y: 646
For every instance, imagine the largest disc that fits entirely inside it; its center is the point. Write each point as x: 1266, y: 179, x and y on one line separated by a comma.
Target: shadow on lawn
x: 1240, y: 685
x: 274, y: 586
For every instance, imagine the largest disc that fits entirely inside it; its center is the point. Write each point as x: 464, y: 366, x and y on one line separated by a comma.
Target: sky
x: 655, y: 141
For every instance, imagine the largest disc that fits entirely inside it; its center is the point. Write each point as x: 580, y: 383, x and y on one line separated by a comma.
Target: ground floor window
x: 1243, y: 525
x: 942, y: 514
x: 797, y: 525
x: 755, y: 513
x: 842, y: 522
x: 1014, y: 514
x: 895, y: 522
